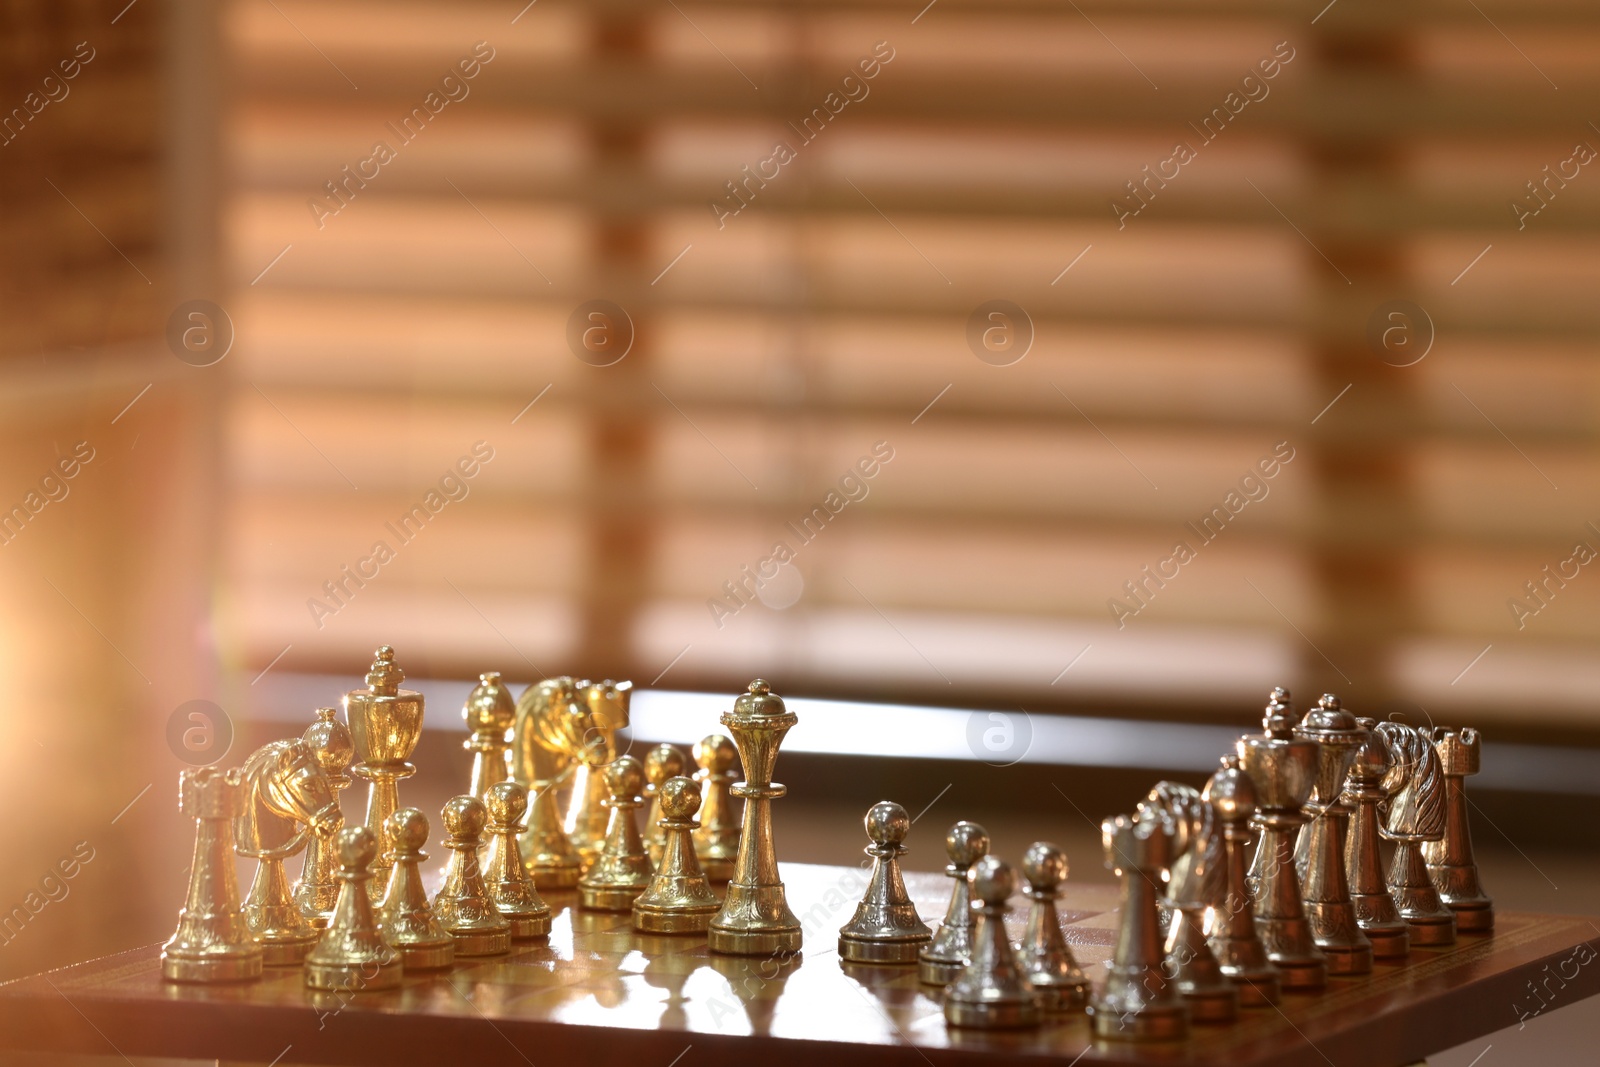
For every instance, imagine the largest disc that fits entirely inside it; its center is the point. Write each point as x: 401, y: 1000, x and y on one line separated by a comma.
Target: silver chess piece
x: 943, y: 959
x: 1238, y: 949
x: 1450, y: 863
x: 1047, y: 963
x: 1374, y: 777
x: 885, y: 927
x: 1197, y: 883
x: 1283, y: 769
x: 1416, y: 815
x: 1138, y: 1002
x: 1324, y: 884
x: 991, y: 992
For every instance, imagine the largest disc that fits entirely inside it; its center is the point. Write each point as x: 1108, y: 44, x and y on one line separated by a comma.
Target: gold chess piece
x: 1138, y: 1001
x: 1239, y: 951
x: 623, y: 869
x: 385, y: 724
x: 406, y: 918
x: 352, y: 954
x: 607, y: 704
x: 660, y: 763
x: 1320, y: 856
x: 1374, y: 777
x: 1283, y: 769
x: 991, y: 993
x: 553, y: 733
x: 885, y: 927
x: 317, y: 889
x: 679, y: 899
x: 1416, y: 815
x: 489, y: 712
x: 942, y: 960
x: 1047, y: 961
x: 462, y: 903
x: 755, y: 919
x: 1196, y: 883
x: 212, y: 942
x: 285, y: 799
x: 510, y: 886
x: 1450, y: 863
x: 716, y: 842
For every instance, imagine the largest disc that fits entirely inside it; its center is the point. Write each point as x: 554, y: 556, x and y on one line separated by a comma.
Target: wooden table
x: 597, y: 993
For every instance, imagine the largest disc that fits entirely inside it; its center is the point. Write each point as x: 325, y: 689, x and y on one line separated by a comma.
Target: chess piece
x: 352, y: 954
x: 385, y: 724
x: 716, y: 842
x: 510, y: 887
x: 1417, y: 814
x: 1325, y: 887
x: 1138, y: 1002
x: 942, y: 960
x: 1196, y: 883
x: 405, y: 917
x: 623, y: 869
x: 1374, y: 777
x: 991, y: 993
x: 462, y: 903
x: 660, y: 763
x: 755, y: 919
x: 212, y: 942
x: 1047, y: 962
x: 285, y: 799
x: 885, y: 927
x: 489, y: 712
x: 1450, y: 863
x: 607, y: 704
x: 317, y: 889
x: 678, y: 899
x: 552, y: 734
x: 1283, y: 770
x: 1239, y: 952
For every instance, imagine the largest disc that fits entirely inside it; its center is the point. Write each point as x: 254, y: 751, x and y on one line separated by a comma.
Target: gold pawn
x: 662, y: 762
x: 317, y: 889
x: 679, y: 899
x: 716, y: 842
x: 509, y: 884
x: 463, y: 903
x: 212, y: 942
x: 623, y: 869
x: 352, y: 955
x: 406, y: 918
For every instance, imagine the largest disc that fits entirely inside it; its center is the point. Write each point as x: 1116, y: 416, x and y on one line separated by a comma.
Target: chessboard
x: 597, y: 992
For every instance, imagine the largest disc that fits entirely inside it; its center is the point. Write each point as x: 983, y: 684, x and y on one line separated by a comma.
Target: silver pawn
x: 991, y: 993
x: 1046, y: 960
x: 886, y: 927
x: 943, y: 959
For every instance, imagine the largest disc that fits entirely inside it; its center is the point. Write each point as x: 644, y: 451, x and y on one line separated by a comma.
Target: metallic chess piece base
x: 938, y: 972
x: 526, y: 928
x: 286, y: 952
x: 609, y: 898
x: 354, y: 977
x: 859, y: 950
x: 230, y: 968
x: 1473, y: 920
x: 754, y: 942
x: 1390, y: 941
x: 1347, y: 960
x: 564, y: 876
x: 1334, y: 926
x: 422, y: 957
x: 1432, y: 931
x: 482, y: 942
x: 992, y: 1015
x: 680, y: 920
x: 1297, y: 970
x: 1163, y: 1022
x: 1066, y: 999
x: 1302, y: 974
x: 1257, y: 989
x: 1212, y: 1005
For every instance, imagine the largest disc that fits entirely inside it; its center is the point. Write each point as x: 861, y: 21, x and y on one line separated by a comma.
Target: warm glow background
x: 431, y: 312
